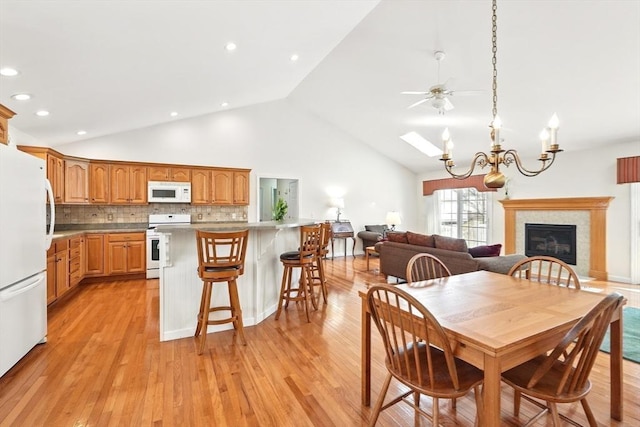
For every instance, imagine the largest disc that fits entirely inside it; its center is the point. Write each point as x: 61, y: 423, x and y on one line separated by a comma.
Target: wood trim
x: 474, y: 181
x: 597, y: 207
x: 628, y: 170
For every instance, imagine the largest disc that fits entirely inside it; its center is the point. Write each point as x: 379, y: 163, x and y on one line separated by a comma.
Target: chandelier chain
x: 494, y: 60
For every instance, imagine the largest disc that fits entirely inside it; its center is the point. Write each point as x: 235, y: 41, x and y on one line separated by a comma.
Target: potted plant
x: 280, y: 210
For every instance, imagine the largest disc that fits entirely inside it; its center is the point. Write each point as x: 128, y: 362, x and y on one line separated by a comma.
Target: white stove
x: 153, y: 239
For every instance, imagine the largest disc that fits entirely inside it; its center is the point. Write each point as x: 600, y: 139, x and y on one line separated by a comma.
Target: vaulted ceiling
x: 111, y: 66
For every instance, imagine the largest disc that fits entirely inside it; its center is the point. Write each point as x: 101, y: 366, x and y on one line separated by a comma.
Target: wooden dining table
x: 496, y: 322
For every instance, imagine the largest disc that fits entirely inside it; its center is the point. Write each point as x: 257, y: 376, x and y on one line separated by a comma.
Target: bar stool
x: 317, y: 268
x: 304, y: 258
x: 220, y: 259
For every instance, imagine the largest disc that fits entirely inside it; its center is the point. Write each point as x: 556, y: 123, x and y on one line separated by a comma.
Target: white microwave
x: 169, y: 192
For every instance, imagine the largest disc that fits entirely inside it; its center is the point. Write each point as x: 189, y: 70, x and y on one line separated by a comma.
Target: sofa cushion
x: 376, y: 228
x: 420, y: 239
x: 485, y: 250
x: 398, y: 237
x: 450, y: 243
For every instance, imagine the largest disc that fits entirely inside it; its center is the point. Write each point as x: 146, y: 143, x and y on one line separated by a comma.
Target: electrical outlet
x: 233, y: 216
x: 199, y: 216
x: 109, y: 217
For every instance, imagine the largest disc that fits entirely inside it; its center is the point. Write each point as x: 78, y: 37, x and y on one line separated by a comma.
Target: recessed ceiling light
x: 42, y: 113
x: 224, y: 104
x: 81, y: 132
x: 21, y: 96
x: 174, y: 113
x: 414, y: 139
x: 8, y: 72
x: 294, y: 57
x: 230, y: 46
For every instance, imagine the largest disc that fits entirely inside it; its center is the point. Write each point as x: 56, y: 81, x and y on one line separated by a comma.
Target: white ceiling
x: 112, y: 66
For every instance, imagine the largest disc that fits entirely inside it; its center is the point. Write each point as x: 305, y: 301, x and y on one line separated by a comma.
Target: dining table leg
x: 491, y: 391
x: 615, y: 361
x: 366, y: 355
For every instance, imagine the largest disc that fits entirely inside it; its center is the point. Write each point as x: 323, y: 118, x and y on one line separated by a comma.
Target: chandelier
x: 498, y: 156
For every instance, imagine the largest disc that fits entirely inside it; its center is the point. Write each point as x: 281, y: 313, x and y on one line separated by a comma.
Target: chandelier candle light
x: 497, y: 156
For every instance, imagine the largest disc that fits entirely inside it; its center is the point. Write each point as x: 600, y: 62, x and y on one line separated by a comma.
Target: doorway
x: 273, y: 189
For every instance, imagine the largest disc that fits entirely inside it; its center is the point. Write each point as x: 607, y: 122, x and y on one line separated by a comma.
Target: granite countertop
x: 230, y: 226
x: 70, y: 230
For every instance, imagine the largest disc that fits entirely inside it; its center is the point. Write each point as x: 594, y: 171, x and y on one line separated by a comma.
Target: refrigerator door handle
x: 14, y: 291
x: 52, y: 209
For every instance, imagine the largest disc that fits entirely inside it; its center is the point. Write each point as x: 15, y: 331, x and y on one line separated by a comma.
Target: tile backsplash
x: 103, y: 214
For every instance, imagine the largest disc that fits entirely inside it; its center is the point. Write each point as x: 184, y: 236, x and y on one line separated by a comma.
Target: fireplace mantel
x: 597, y: 208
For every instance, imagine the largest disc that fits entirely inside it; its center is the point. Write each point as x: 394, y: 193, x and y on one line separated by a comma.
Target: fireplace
x: 558, y: 241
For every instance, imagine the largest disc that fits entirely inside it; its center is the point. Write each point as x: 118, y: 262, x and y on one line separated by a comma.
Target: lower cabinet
x: 125, y: 253
x: 58, y: 282
x: 94, y: 255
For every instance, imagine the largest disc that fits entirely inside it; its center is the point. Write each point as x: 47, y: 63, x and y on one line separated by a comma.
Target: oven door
x: 153, y: 254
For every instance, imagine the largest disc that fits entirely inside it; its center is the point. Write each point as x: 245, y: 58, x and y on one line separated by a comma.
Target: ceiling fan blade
x: 448, y: 106
x: 467, y: 92
x: 418, y: 103
x: 413, y: 93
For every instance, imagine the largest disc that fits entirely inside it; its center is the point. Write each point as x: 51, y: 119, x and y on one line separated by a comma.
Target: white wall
x: 275, y: 140
x: 586, y: 173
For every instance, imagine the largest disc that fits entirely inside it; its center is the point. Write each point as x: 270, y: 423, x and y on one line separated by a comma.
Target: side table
x: 343, y: 230
x: 369, y: 250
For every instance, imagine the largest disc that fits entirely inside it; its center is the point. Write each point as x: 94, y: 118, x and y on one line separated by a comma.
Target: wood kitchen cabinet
x: 201, y: 186
x: 174, y: 174
x: 55, y: 175
x: 57, y: 269
x: 99, y: 176
x: 222, y: 187
x: 5, y: 115
x: 94, y: 255
x: 76, y: 260
x: 241, y: 188
x: 76, y: 181
x: 128, y: 184
x: 125, y: 253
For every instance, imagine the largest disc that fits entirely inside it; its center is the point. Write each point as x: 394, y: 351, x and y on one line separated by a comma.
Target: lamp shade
x: 337, y: 202
x: 393, y: 218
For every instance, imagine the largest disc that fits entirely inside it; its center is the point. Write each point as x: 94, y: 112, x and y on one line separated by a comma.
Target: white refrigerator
x: 23, y: 259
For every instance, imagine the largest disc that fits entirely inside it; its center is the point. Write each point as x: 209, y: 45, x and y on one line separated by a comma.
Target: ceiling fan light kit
x: 498, y: 156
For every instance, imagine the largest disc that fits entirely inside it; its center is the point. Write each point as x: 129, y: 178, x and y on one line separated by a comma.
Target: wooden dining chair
x: 425, y: 266
x: 408, y: 331
x: 546, y: 269
x: 562, y: 376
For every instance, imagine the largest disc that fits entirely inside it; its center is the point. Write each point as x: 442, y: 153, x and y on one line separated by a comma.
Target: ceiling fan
x: 439, y: 94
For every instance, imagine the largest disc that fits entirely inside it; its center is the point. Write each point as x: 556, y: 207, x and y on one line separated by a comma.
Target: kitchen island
x: 258, y: 287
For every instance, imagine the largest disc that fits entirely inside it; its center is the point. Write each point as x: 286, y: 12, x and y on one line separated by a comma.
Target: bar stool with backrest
x: 304, y: 258
x: 220, y: 259
x: 317, y: 269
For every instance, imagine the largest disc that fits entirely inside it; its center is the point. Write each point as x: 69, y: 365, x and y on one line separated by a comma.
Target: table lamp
x: 393, y: 219
x: 338, y: 203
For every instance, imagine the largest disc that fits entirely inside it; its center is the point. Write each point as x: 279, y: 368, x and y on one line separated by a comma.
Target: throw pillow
x: 394, y: 236
x: 485, y: 250
x: 376, y: 228
x: 450, y: 243
x: 421, y: 239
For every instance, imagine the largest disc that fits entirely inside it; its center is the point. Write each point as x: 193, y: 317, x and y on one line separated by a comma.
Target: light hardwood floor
x: 104, y: 366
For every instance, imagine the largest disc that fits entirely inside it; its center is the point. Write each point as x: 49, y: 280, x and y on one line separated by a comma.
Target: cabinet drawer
x: 59, y: 245
x: 75, y: 277
x: 75, y: 242
x: 125, y: 237
x: 74, y: 253
x: 74, y: 265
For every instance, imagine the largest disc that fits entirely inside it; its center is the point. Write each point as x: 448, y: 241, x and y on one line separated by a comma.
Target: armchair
x: 372, y: 234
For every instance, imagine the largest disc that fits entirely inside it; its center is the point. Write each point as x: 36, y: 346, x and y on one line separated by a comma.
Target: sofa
x: 397, y: 250
x: 372, y: 234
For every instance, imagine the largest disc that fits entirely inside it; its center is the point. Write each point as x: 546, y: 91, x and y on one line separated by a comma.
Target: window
x: 463, y: 214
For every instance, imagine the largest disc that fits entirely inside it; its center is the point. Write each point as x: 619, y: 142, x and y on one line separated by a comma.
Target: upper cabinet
x: 5, y: 115
x: 173, y: 174
x: 87, y: 181
x: 128, y: 184
x: 76, y: 181
x: 99, y: 176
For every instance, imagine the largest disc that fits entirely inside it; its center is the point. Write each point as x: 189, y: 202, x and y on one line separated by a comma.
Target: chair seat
x: 221, y: 269
x: 519, y: 377
x: 293, y: 255
x: 468, y: 375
